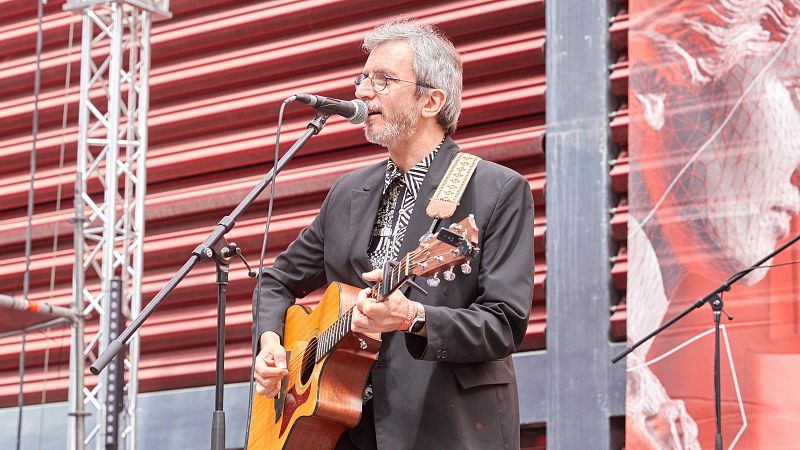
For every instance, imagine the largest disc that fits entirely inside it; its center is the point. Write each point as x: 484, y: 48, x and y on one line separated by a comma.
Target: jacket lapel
x: 364, y: 202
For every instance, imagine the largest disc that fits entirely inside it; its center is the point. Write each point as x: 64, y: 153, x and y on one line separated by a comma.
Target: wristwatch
x: 419, y: 320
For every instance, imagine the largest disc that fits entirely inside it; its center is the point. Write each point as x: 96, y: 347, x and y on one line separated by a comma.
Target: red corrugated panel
x: 220, y: 70
x: 620, y: 167
x: 533, y: 438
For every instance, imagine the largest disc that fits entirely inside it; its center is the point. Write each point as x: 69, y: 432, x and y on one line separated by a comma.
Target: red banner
x: 714, y: 146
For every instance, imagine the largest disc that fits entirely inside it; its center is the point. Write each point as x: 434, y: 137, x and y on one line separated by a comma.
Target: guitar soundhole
x: 308, y: 362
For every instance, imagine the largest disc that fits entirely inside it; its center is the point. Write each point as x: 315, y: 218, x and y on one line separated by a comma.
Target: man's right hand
x: 270, y: 365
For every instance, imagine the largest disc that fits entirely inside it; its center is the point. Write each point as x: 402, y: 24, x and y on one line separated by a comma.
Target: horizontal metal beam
x: 532, y: 369
x: 39, y: 326
x: 159, y: 8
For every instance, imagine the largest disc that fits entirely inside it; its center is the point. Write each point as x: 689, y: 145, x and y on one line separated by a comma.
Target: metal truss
x: 109, y: 222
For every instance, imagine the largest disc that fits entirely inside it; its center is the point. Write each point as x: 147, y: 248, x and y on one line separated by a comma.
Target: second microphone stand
x: 714, y: 298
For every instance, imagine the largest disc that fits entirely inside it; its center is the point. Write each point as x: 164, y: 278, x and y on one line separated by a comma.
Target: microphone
x: 355, y: 111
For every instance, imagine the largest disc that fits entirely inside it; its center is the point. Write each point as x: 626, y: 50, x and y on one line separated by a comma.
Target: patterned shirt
x: 399, y: 196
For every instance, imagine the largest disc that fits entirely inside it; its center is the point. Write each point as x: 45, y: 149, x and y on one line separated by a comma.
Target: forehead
x: 393, y: 58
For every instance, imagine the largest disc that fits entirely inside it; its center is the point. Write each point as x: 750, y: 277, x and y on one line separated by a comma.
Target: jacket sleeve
x: 295, y: 273
x: 493, y: 325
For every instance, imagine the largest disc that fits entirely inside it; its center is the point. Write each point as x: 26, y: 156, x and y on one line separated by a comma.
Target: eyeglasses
x: 379, y: 81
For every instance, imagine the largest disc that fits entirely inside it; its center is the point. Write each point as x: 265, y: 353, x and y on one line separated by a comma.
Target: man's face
x: 395, y: 111
x: 751, y: 175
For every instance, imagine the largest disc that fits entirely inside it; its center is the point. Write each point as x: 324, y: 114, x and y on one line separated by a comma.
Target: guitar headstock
x: 451, y: 246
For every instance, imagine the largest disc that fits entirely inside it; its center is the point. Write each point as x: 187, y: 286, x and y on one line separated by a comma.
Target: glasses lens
x: 379, y: 81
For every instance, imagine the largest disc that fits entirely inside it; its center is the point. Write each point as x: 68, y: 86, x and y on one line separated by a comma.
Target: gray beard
x: 398, y: 130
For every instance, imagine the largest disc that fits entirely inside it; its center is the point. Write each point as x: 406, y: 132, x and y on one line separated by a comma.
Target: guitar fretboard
x: 333, y: 335
x: 397, y: 275
x: 328, y: 340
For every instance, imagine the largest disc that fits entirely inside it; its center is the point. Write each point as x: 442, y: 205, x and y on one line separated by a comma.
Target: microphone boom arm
x: 225, y: 225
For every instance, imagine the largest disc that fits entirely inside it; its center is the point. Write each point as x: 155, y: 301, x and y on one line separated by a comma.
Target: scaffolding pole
x: 109, y: 225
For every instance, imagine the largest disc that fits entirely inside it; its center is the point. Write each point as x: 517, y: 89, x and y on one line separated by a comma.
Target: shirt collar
x: 414, y: 177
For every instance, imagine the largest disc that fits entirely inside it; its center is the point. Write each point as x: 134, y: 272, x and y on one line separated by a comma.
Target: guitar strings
x: 346, y: 319
x: 305, y: 363
x: 300, y: 361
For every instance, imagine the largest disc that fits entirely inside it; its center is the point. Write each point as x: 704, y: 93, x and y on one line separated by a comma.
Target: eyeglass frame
x: 360, y: 78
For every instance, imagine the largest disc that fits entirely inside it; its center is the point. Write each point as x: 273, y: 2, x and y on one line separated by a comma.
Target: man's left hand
x: 371, y: 316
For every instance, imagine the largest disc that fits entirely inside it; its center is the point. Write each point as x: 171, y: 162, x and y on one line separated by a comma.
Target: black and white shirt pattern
x: 397, y: 203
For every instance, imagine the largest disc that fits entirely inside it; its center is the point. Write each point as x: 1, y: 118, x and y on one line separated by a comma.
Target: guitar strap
x: 445, y: 200
x: 447, y: 196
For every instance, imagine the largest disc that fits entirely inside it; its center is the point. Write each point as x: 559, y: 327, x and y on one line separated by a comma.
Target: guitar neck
x: 450, y: 246
x: 329, y: 338
x: 394, y: 277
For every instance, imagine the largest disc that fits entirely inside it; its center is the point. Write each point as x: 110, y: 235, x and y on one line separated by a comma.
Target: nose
x: 364, y: 92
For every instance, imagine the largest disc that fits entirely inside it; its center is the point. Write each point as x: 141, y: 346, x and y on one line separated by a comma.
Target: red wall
x: 219, y: 72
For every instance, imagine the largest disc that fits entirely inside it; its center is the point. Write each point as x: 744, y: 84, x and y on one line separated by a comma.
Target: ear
x: 434, y: 102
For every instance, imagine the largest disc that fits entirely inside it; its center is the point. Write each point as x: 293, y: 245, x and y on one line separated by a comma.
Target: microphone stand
x: 214, y: 247
x: 715, y: 300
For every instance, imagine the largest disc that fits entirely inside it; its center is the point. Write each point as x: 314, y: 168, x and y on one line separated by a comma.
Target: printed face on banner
x: 714, y: 146
x: 751, y: 175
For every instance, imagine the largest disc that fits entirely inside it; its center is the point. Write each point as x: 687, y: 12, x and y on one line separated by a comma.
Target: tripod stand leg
x: 716, y: 305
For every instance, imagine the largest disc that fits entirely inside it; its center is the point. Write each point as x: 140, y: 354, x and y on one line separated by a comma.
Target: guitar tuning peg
x: 449, y: 275
x: 425, y: 237
x: 434, y: 280
x: 466, y: 269
x: 455, y: 227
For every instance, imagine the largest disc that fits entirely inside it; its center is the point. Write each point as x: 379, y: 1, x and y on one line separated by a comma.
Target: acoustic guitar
x: 329, y: 364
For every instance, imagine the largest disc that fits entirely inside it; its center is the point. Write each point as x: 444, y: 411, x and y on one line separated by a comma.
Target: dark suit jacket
x: 456, y: 388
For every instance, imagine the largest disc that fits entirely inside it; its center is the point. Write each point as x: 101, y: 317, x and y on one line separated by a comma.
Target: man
x: 714, y: 187
x: 449, y: 383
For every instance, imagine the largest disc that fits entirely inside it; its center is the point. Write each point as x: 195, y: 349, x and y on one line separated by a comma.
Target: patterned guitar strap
x: 448, y: 195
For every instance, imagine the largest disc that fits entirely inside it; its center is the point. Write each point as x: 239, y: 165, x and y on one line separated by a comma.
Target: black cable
x: 36, y: 84
x: 261, y: 270
x: 20, y: 395
x: 62, y: 145
x: 765, y: 267
x: 44, y: 385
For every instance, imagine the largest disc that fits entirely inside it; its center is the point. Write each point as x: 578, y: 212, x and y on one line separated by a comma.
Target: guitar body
x: 329, y: 364
x: 319, y: 400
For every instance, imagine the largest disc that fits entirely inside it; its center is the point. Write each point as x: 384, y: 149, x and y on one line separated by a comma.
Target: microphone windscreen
x: 361, y: 113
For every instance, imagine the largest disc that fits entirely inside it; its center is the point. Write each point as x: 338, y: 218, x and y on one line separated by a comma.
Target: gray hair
x: 436, y: 62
